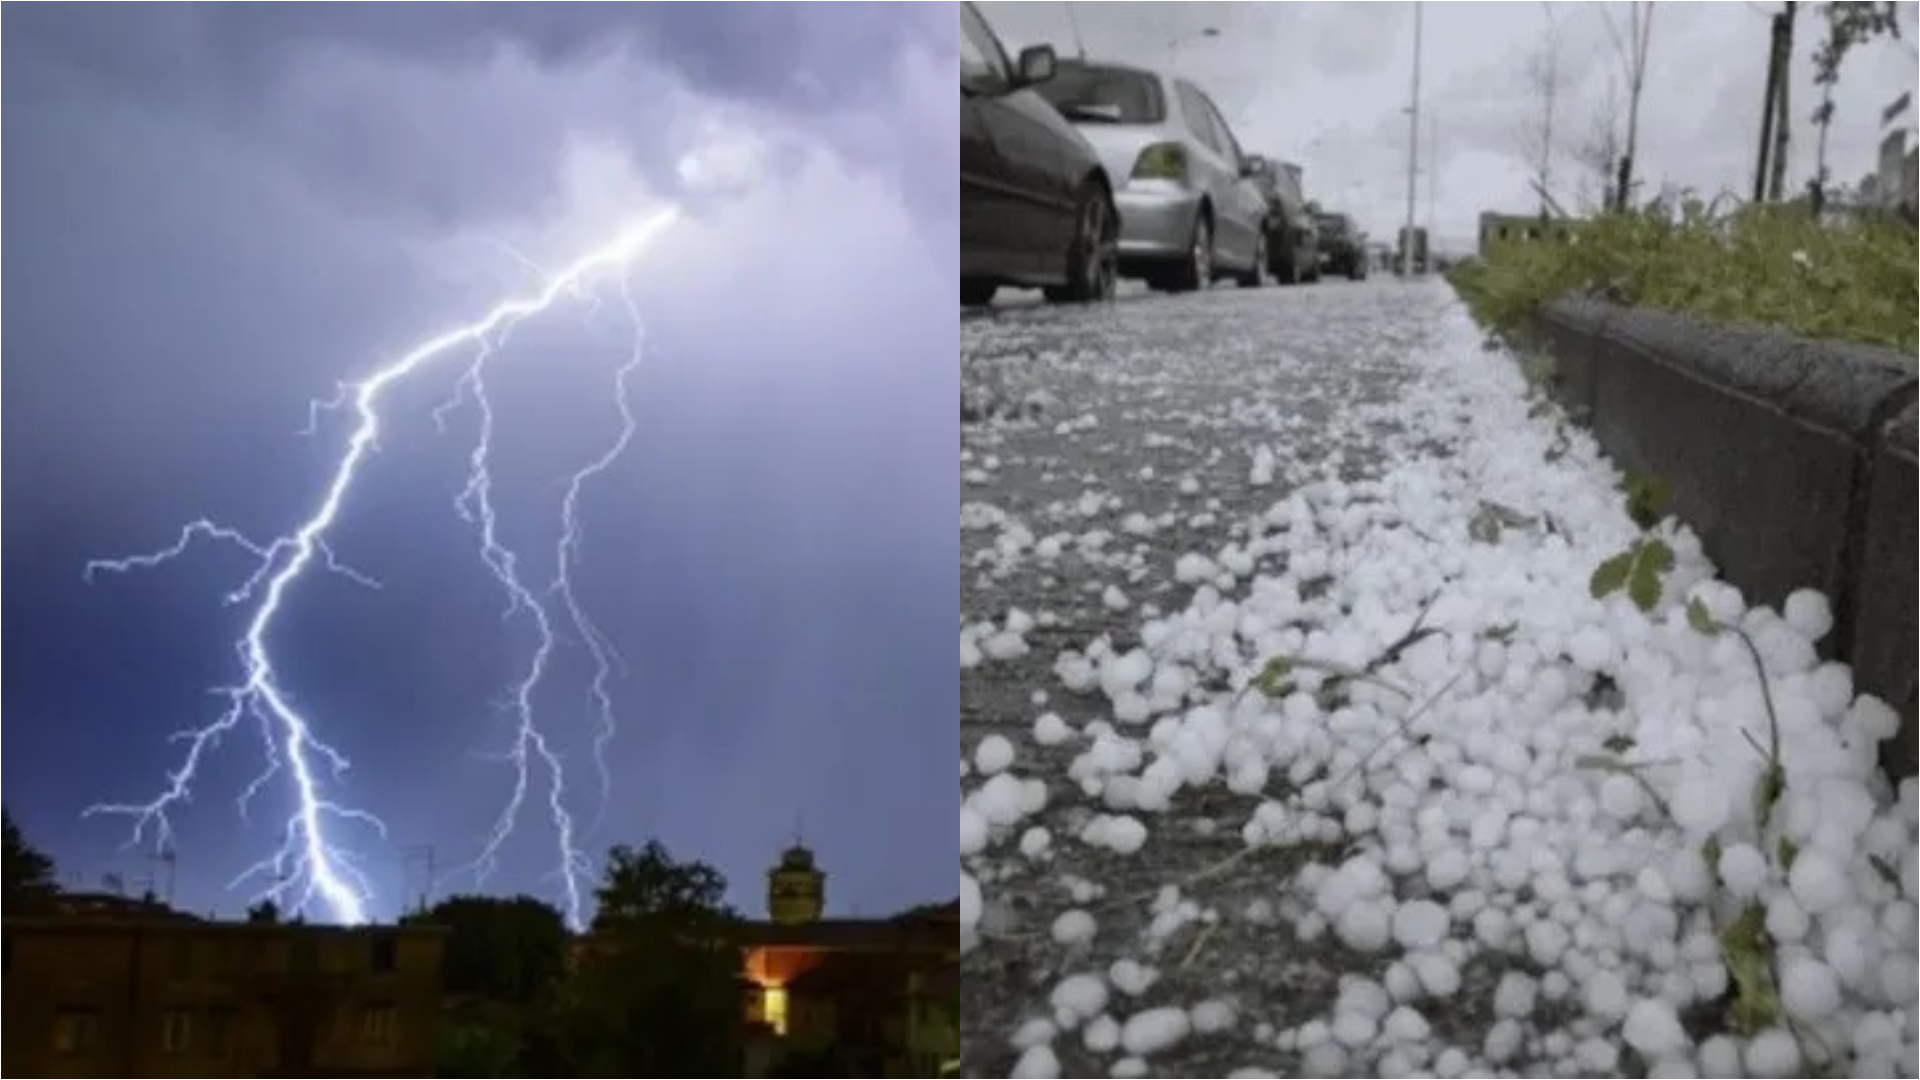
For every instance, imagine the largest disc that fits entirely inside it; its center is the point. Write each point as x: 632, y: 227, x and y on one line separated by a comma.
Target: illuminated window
x: 773, y: 1006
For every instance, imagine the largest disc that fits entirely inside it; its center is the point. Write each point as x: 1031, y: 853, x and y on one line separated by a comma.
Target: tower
x: 796, y: 888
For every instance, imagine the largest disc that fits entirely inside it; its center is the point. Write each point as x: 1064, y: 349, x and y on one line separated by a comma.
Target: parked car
x: 1189, y: 209
x: 1342, y: 247
x: 1293, y: 237
x: 1036, y: 204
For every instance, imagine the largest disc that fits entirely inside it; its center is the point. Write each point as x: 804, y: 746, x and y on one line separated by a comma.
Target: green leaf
x: 1503, y: 633
x: 1789, y: 851
x: 1746, y: 949
x: 1618, y: 744
x: 1647, y: 499
x: 1766, y: 794
x: 1272, y: 679
x: 1710, y: 854
x: 1650, y: 560
x: 1701, y: 619
x: 1885, y: 870
x: 1484, y: 527
x: 1610, y: 575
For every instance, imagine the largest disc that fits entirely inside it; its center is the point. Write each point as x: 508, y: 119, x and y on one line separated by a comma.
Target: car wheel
x: 1286, y: 266
x: 975, y: 292
x: 1256, y: 275
x: 1197, y: 273
x: 1093, y: 262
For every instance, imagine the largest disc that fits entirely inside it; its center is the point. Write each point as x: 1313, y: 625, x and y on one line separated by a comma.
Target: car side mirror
x: 1253, y: 165
x: 1037, y: 64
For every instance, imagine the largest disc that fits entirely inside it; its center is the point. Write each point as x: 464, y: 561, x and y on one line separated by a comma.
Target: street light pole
x: 1413, y: 151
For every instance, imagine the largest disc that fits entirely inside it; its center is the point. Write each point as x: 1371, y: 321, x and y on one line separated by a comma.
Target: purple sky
x: 219, y: 212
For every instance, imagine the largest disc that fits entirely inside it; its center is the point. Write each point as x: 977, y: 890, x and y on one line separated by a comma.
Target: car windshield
x: 1332, y: 223
x: 1114, y: 95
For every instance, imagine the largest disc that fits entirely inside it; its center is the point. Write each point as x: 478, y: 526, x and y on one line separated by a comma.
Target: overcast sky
x: 1326, y: 84
x: 219, y: 211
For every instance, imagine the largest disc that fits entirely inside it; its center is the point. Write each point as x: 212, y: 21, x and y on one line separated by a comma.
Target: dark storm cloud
x: 378, y: 100
x: 216, y: 212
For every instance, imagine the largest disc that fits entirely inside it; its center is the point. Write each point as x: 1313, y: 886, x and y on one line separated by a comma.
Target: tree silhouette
x: 29, y: 872
x: 658, y: 989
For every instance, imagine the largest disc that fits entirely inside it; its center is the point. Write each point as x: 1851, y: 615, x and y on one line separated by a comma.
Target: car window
x: 1193, y: 106
x: 983, y: 64
x: 1091, y: 92
x: 1229, y: 145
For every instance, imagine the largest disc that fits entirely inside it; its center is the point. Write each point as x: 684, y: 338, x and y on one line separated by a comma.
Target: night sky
x: 221, y: 212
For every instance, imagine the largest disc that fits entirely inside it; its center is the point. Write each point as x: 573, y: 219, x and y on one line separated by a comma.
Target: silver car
x: 1189, y: 209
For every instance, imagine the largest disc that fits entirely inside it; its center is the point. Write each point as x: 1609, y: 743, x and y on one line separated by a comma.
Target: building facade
x: 877, y: 996
x: 145, y: 991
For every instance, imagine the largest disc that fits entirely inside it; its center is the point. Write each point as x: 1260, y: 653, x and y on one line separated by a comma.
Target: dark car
x: 1293, y: 237
x: 1036, y: 207
x: 1342, y: 247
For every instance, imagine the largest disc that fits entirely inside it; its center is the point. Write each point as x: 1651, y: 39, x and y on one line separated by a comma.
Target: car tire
x: 975, y: 292
x: 1256, y: 275
x: 1197, y: 272
x: 1093, y: 260
x: 1285, y: 270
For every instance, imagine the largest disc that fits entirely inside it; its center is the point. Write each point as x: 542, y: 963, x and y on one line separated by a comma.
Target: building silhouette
x: 105, y: 986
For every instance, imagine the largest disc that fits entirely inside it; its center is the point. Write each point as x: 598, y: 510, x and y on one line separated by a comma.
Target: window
x: 75, y: 1031
x: 1090, y: 92
x: 176, y: 1032
x: 1193, y: 106
x: 216, y: 1031
x: 386, y: 953
x: 182, y: 957
x: 983, y: 66
x: 380, y: 1025
x: 774, y: 1008
x: 1229, y: 145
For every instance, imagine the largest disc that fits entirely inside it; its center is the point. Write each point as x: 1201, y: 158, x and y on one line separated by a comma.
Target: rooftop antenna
x: 420, y: 859
x: 1073, y: 26
x: 169, y: 860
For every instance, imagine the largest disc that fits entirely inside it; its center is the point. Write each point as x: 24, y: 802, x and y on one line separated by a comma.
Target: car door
x: 1033, y: 201
x: 1248, y: 205
x: 1214, y: 174
x: 988, y: 205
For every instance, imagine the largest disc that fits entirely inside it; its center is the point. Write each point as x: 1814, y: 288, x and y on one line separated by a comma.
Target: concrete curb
x: 1794, y: 460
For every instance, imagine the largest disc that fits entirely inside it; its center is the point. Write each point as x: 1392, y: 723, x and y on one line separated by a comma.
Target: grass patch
x: 1769, y: 265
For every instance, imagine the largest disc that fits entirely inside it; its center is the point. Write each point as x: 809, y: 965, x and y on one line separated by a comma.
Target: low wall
x: 1793, y: 460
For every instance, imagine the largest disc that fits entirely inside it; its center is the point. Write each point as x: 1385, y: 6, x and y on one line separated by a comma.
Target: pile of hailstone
x: 1607, y: 848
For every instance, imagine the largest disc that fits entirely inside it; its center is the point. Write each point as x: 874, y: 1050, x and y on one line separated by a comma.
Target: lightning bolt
x: 310, y: 866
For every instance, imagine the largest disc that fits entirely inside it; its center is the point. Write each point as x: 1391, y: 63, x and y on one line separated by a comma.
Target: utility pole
x: 1413, y: 152
x: 1433, y: 170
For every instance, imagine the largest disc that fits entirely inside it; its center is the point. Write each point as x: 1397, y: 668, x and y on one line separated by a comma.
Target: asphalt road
x: 1140, y: 419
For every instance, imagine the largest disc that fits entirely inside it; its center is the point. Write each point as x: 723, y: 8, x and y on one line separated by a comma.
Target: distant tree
x: 648, y: 885
x: 509, y: 950
x: 504, y: 962
x: 1545, y: 80
x: 1848, y: 25
x: 658, y: 990
x: 264, y: 913
x: 30, y: 879
x: 1631, y: 46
